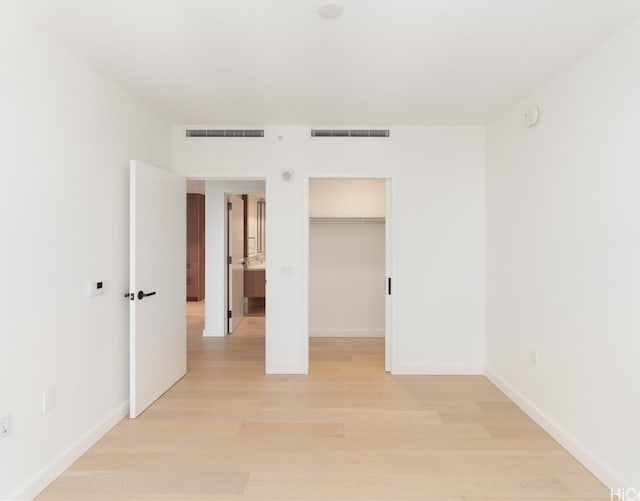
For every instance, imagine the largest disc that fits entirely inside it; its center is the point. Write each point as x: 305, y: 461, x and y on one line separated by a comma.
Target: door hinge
x: 229, y: 260
x: 389, y: 286
x: 229, y: 206
x: 229, y: 314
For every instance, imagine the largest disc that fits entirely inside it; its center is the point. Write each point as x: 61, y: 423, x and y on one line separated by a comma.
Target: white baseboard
x: 69, y: 456
x: 213, y: 333
x: 437, y: 370
x: 346, y: 332
x: 589, y: 460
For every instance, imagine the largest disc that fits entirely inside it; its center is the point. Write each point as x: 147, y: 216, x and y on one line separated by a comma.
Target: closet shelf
x: 346, y: 220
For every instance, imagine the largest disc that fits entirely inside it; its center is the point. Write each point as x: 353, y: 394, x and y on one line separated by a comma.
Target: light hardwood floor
x: 347, y: 431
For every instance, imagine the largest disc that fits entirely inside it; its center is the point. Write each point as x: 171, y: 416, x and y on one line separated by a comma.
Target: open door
x: 157, y: 325
x: 235, y: 275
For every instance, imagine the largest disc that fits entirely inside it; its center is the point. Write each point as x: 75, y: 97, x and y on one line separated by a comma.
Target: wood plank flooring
x: 347, y: 431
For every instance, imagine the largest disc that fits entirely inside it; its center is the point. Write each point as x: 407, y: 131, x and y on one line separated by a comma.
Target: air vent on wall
x: 225, y: 133
x: 349, y: 132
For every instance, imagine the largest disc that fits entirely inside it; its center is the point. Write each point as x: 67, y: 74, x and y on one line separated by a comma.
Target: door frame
x: 390, y: 335
x: 229, y: 235
x: 216, y: 291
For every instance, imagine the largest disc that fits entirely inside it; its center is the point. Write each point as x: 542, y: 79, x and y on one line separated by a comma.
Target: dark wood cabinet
x: 254, y: 281
x: 195, y: 247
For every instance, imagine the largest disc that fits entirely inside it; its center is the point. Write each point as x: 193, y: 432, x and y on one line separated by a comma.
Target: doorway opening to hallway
x: 232, y: 262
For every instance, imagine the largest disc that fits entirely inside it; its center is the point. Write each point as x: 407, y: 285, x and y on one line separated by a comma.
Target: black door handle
x: 142, y: 294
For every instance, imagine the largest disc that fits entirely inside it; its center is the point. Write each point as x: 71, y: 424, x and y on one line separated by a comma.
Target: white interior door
x: 158, y: 355
x: 236, y: 261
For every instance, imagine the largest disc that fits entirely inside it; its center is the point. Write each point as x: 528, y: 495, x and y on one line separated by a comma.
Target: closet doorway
x: 349, y: 264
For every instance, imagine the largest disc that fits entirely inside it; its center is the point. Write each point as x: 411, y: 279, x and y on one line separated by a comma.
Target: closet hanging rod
x: 346, y: 220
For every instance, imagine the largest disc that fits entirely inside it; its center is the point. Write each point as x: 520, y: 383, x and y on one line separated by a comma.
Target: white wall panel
x: 563, y: 267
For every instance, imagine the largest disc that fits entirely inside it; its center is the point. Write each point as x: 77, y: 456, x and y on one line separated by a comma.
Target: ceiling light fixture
x: 330, y: 9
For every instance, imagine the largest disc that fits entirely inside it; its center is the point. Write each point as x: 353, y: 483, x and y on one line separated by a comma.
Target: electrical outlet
x: 49, y: 399
x: 5, y: 425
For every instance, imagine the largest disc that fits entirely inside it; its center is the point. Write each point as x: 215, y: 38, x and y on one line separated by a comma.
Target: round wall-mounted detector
x: 286, y: 175
x: 531, y: 116
x: 330, y: 8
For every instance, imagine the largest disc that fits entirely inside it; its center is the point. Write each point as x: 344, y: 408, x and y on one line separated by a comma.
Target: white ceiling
x: 267, y: 62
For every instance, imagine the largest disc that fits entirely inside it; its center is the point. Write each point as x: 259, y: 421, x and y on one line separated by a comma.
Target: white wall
x: 347, y: 276
x: 438, y: 241
x: 563, y: 258
x: 66, y: 137
x: 215, y: 320
x: 347, y: 282
x: 347, y: 198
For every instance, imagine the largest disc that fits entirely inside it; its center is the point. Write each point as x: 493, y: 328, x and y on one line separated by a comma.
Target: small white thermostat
x: 96, y: 288
x: 531, y: 116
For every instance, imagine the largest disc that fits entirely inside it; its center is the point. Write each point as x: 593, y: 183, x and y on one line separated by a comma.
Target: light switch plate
x: 5, y: 425
x: 49, y: 398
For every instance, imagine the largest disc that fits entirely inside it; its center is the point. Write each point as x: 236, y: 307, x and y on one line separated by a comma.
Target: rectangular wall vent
x: 349, y: 132
x: 225, y: 133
